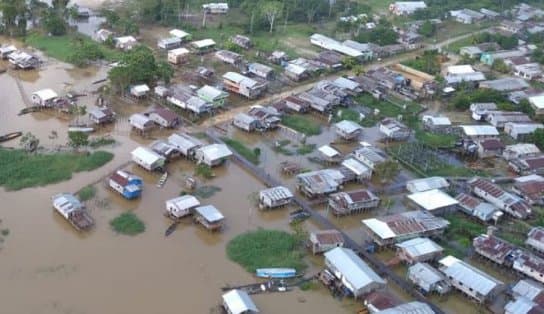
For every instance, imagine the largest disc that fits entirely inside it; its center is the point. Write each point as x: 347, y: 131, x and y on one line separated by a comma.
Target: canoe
x: 10, y: 136
x: 276, y: 272
x: 171, y: 229
x: 162, y: 180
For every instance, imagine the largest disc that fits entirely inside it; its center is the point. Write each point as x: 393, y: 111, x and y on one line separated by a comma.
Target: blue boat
x: 276, y: 272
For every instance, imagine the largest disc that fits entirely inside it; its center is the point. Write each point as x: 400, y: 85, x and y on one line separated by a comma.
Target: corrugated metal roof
x: 426, y: 273
x: 432, y: 199
x: 145, y: 154
x: 420, y: 246
x: 276, y: 193
x: 479, y: 130
x: 356, y: 166
x: 425, y: 184
x: 348, y: 126
x: 238, y: 301
x: 527, y: 288
x: 210, y: 213
x: 184, y: 202
x: 353, y: 268
x: 406, y: 223
x: 414, y: 307
x: 521, y: 306
x: 215, y: 151
x: 470, y: 276
x: 328, y: 151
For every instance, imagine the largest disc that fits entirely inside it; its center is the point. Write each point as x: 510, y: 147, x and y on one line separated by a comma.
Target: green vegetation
x: 87, y: 193
x: 506, y: 42
x: 386, y: 108
x: 266, y: 248
x: 429, y: 62
x: 308, y: 286
x: 463, y: 230
x: 242, y: 149
x: 305, y: 149
x: 101, y: 141
x: 435, y: 139
x: 21, y: 170
x: 204, y: 171
x: 5, y: 232
x: 463, y: 99
x: 76, y: 49
x: 347, y: 114
x: 301, y: 124
x: 78, y: 139
x: 387, y: 170
x: 127, y: 223
x: 382, y: 35
x: 537, y: 138
x: 280, y: 147
x: 206, y: 191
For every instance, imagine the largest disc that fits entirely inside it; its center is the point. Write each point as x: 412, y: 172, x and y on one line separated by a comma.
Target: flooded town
x: 270, y: 156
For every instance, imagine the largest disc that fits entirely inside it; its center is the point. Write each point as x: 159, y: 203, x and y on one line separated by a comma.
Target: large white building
x: 406, y: 7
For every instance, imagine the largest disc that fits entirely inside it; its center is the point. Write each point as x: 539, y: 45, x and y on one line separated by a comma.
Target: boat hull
x: 276, y: 272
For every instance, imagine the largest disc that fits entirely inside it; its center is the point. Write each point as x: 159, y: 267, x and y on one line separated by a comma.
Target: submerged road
x: 378, y: 265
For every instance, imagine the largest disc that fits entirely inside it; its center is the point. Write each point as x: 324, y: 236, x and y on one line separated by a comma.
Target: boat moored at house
x: 69, y: 207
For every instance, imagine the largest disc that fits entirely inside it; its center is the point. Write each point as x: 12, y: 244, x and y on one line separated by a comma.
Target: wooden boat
x: 28, y: 110
x: 162, y: 180
x: 83, y: 129
x: 171, y: 228
x: 10, y: 136
x: 276, y: 272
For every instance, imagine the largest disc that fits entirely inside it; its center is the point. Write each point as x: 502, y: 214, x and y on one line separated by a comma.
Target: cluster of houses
x: 19, y: 59
x: 258, y: 118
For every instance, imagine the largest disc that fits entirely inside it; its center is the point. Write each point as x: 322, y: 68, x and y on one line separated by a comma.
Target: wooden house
x: 213, y: 154
x: 126, y: 183
x: 229, y: 57
x: 241, y: 41
x: 164, y: 117
x: 245, y: 86
x: 346, y: 203
x: 178, y: 56
x: 101, y: 115
x: 245, y: 122
x: 348, y: 130
x: 187, y: 145
x: 418, y: 250
x: 428, y: 279
x: 325, y: 240
x: 44, y: 98
x: 261, y: 70
x: 140, y: 122
x: 209, y: 217
x: 139, y: 91
x: 169, y: 43
x: 69, y: 207
x: 238, y: 302
x: 275, y: 197
x: 148, y: 159
x: 181, y: 206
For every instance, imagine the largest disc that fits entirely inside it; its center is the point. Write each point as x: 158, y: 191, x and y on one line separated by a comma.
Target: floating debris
x: 206, y: 191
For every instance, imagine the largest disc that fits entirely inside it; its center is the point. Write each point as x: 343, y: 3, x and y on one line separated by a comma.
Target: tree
x: 271, y: 10
x: 500, y: 66
x: 14, y: 16
x: 78, y: 139
x: 427, y: 29
x: 537, y: 138
x: 29, y: 142
x: 350, y: 62
x: 387, y: 171
x: 54, y: 24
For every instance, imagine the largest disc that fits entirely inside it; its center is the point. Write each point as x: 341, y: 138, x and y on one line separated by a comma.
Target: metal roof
x: 521, y: 306
x: 527, y: 288
x: 184, y: 202
x: 328, y: 151
x: 178, y: 51
x: 240, y: 79
x: 426, y: 273
x: 147, y: 156
x: 523, y: 148
x: 179, y: 33
x: 505, y: 84
x: 210, y: 213
x: 460, y: 69
x: 537, y: 101
x: 356, y: 166
x: 438, y: 121
x: 238, y: 301
x: 470, y: 276
x: 45, y: 94
x: 479, y: 130
x: 211, y: 93
x: 215, y: 151
x: 414, y: 307
x: 203, y: 43
x: 420, y: 246
x: 184, y: 141
x: 348, y: 126
x: 276, y: 193
x: 66, y: 203
x: 425, y: 184
x: 432, y: 199
x: 352, y: 267
x: 244, y: 118
x: 406, y: 223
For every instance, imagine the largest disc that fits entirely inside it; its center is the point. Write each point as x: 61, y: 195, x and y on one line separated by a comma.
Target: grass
x: 463, y: 230
x: 87, y: 193
x: 306, y: 149
x: 250, y: 154
x: 60, y: 47
x: 101, y: 141
x: 204, y: 171
x: 127, y: 223
x: 301, y: 124
x: 266, y: 248
x: 435, y: 139
x: 22, y: 170
x: 281, y: 148
x: 347, y: 114
x: 386, y: 108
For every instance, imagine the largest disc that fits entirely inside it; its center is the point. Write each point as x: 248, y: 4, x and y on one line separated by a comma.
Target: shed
x: 180, y: 207
x: 275, y: 197
x: 426, y: 184
x: 348, y: 130
x: 101, y: 115
x: 344, y: 203
x: 325, y: 240
x: 238, y: 302
x: 139, y: 90
x: 330, y: 154
x: 148, y: 159
x: 261, y: 70
x: 212, y: 95
x: 479, y: 131
x: 178, y: 56
x: 44, y: 98
x: 69, y: 207
x: 126, y: 183
x: 203, y: 45
x: 245, y: 122
x: 140, y: 122
x: 169, y: 43
x: 164, y: 117
x: 184, y: 36
x: 353, y: 272
x: 418, y: 250
x: 241, y: 41
x: 185, y: 143
x: 434, y: 201
x: 209, y: 216
x: 428, y: 279
x: 213, y: 154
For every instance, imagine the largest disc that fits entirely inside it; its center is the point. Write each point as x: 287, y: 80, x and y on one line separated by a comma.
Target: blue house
x: 126, y: 183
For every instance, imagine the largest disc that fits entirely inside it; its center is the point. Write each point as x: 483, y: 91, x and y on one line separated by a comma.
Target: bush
x: 205, y: 171
x: 87, y: 193
x: 101, y: 141
x: 266, y: 248
x: 128, y: 224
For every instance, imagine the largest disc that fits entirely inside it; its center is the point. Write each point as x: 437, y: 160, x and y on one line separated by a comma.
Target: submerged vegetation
x: 87, y: 193
x: 22, y: 170
x: 127, y: 223
x: 206, y: 191
x: 204, y: 171
x: 301, y: 124
x: 266, y: 248
x: 242, y: 149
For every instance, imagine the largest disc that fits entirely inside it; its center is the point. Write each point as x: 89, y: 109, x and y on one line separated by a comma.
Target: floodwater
x: 47, y: 267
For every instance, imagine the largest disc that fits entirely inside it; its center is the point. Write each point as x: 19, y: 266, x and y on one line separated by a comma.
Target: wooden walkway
x: 380, y: 267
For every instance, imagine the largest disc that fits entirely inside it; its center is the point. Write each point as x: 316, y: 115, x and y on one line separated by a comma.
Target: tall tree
x: 271, y: 10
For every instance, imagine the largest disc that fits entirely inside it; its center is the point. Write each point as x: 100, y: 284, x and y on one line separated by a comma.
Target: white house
x: 141, y: 122
x: 139, y: 91
x: 181, y: 206
x: 406, y: 7
x: 148, y: 159
x: 516, y: 130
x: 125, y: 42
x: 348, y: 130
x: 213, y: 154
x: 238, y: 302
x: 44, y: 98
x: 169, y: 43
x: 186, y: 144
x: 184, y: 36
x: 216, y: 8
x: 275, y: 197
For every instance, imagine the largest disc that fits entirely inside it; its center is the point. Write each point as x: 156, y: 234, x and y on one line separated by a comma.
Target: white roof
x: 138, y: 119
x: 380, y: 228
x: 178, y: 51
x: 433, y: 199
x: 125, y: 39
x: 66, y: 203
x: 346, y: 83
x: 238, y: 301
x: 527, y: 288
x: 239, y: 79
x: 537, y: 101
x: 210, y: 213
x: 210, y: 92
x: 444, y: 121
x: 145, y: 154
x: 348, y: 126
x: 295, y: 68
x: 425, y: 184
x: 480, y: 130
x: 352, y: 267
x: 328, y: 151
x: 46, y: 94
x: 414, y: 307
x: 179, y: 33
x: 420, y: 246
x: 184, y: 141
x: 184, y: 202
x: 426, y: 273
x: 215, y: 151
x: 460, y: 69
x: 142, y: 88
x: 520, y: 306
x: 470, y: 276
x: 277, y: 193
x: 203, y: 43
x: 531, y: 177
x: 356, y: 166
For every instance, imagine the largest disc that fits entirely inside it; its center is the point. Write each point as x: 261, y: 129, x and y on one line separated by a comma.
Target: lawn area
x: 250, y: 154
x: 128, y: 224
x: 266, y: 248
x: 463, y: 230
x: 301, y: 124
x: 387, y: 109
x: 435, y: 140
x: 62, y: 47
x: 347, y: 114
x: 22, y: 170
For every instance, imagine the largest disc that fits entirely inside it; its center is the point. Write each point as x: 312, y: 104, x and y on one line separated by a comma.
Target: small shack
x: 148, y: 159
x: 346, y: 203
x: 69, y: 207
x: 229, y: 57
x: 428, y: 279
x: 275, y: 197
x: 213, y: 154
x: 139, y: 91
x: 101, y: 115
x: 184, y: 36
x: 182, y: 206
x: 203, y: 46
x: 348, y: 130
x: 325, y: 240
x: 44, y: 98
x: 238, y: 302
x: 169, y: 43
x: 141, y: 122
x: 164, y: 117
x: 126, y: 183
x: 418, y: 250
x: 241, y: 41
x: 245, y: 122
x: 178, y: 56
x: 210, y: 217
x: 330, y: 154
x: 261, y: 70
x: 186, y: 144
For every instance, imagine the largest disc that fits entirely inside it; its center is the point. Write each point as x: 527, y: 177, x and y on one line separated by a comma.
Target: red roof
x: 491, y: 144
x: 492, y: 189
x: 329, y: 236
x: 382, y: 300
x: 492, y: 247
x: 166, y: 114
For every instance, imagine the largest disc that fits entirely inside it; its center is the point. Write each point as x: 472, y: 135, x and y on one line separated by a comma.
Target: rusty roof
x: 491, y: 144
x: 534, y: 162
x: 468, y: 200
x: 491, y: 188
x: 328, y: 236
x: 492, y: 247
x: 382, y: 300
